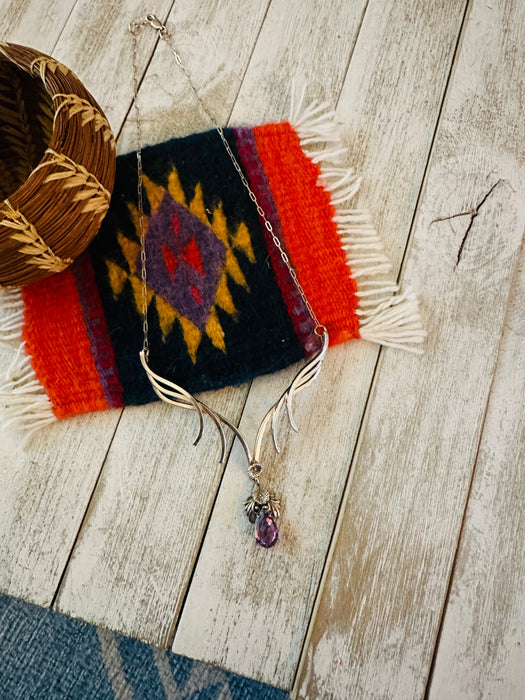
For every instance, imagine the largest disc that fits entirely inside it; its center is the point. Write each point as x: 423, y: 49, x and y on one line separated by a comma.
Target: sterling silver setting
x: 262, y: 507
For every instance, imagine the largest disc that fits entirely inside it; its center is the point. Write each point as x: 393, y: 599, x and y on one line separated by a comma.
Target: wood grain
x: 142, y: 534
x: 481, y: 651
x: 49, y: 483
x: 426, y: 445
x: 379, y: 611
x: 34, y: 23
x: 248, y: 610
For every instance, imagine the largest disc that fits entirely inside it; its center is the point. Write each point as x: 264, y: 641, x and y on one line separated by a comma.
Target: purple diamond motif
x: 184, y: 261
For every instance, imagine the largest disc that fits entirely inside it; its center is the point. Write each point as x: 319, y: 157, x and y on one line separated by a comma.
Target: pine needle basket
x: 57, y: 166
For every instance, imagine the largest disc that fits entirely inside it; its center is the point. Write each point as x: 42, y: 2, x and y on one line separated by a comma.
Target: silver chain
x: 133, y: 28
x: 156, y: 24
x: 262, y: 506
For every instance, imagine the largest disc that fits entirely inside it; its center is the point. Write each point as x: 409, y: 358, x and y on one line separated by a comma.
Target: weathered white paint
x: 378, y: 615
x: 43, y: 507
x: 231, y: 574
x: 481, y: 652
x: 34, y: 23
x: 144, y: 528
x: 379, y: 611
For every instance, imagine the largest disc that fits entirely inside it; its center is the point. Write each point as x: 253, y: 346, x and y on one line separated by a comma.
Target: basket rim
x: 58, y: 81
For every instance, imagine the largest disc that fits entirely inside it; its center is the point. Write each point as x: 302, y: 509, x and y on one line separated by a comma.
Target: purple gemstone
x: 266, y: 530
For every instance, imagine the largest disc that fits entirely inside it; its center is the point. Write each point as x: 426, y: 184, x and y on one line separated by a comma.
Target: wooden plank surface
x: 264, y: 640
x: 481, y: 650
x: 37, y: 484
x: 48, y: 484
x: 34, y: 23
x: 112, y: 561
x: 379, y: 611
x: 121, y: 501
x: 216, y: 58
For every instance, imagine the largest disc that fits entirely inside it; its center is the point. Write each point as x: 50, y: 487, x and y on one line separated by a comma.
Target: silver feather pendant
x: 262, y: 507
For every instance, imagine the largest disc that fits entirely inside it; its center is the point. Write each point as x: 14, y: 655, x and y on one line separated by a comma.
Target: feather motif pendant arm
x: 262, y: 507
x: 176, y: 395
x: 303, y: 378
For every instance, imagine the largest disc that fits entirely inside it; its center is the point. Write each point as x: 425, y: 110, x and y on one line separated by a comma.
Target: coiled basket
x: 57, y: 166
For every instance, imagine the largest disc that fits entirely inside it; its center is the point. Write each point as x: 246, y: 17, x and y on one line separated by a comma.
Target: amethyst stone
x: 266, y: 530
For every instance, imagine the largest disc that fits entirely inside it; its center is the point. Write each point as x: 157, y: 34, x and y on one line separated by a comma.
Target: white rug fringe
x: 11, y: 316
x: 24, y: 404
x: 386, y: 315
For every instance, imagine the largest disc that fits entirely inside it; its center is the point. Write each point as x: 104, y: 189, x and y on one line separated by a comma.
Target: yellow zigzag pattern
x: 216, y: 220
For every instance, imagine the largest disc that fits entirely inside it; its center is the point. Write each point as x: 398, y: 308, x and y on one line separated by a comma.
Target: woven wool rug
x: 44, y: 654
x: 222, y: 305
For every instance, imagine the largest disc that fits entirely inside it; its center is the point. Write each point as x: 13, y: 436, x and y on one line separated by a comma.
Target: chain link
x: 318, y: 327
x: 164, y: 34
x: 134, y: 28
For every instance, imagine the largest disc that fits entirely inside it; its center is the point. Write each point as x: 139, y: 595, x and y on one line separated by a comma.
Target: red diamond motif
x: 191, y: 254
x: 196, y: 295
x: 170, y: 260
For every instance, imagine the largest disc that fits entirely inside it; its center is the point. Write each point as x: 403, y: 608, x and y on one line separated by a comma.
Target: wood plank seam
x: 64, y: 26
x: 173, y: 630
x: 462, y: 26
x: 335, y: 530
x: 294, y: 690
x: 84, y: 517
x: 446, y: 598
x: 110, y: 442
x: 514, y: 283
x: 351, y: 52
x: 248, y: 63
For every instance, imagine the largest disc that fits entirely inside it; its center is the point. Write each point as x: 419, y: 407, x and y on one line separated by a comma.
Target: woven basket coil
x: 57, y: 166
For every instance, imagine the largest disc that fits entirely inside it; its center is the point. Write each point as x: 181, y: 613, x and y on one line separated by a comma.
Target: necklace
x: 262, y: 506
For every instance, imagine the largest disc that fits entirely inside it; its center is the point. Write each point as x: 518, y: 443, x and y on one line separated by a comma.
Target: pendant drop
x: 263, y: 509
x: 266, y: 530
